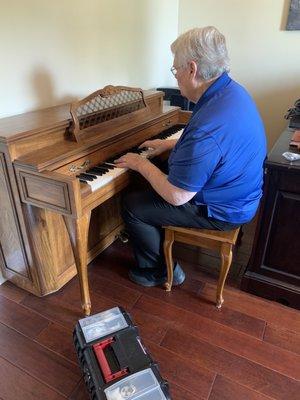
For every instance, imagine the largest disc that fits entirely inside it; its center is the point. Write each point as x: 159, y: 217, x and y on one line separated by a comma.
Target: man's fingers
x: 150, y: 143
x: 145, y: 144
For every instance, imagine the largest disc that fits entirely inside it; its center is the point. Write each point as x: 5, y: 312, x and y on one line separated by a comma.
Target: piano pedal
x: 123, y: 237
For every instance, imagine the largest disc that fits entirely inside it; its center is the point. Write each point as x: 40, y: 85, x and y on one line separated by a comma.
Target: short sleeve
x: 193, y: 161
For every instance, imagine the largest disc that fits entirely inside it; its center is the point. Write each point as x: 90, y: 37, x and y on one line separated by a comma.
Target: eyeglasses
x: 174, y: 70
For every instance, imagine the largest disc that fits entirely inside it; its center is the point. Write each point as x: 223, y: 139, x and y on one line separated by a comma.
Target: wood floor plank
x: 38, y: 361
x: 283, y: 338
x: 150, y: 327
x: 178, y: 393
x: 71, y: 299
x: 177, y: 370
x: 273, y: 313
x: 114, y: 291
x: 15, y: 384
x: 80, y: 392
x: 108, y: 289
x: 12, y: 292
x: 238, y: 369
x: 52, y: 309
x: 58, y: 339
x: 64, y: 307
x: 20, y: 318
x: 225, y: 389
x: 231, y: 340
x: 186, y: 297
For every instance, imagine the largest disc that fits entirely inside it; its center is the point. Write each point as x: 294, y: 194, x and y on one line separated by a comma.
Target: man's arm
x: 156, y: 178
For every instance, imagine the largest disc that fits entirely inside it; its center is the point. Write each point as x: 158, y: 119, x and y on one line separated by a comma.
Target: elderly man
x: 215, y: 173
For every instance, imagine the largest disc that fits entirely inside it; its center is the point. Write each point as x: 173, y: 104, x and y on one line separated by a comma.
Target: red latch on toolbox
x: 105, y: 368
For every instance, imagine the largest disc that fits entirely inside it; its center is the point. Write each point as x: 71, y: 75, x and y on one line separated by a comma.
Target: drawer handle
x: 75, y: 168
x: 84, y: 164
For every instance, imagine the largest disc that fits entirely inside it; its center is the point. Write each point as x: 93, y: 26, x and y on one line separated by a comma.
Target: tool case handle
x: 108, y: 375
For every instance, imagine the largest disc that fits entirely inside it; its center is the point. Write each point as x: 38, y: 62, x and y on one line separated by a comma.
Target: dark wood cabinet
x: 273, y: 270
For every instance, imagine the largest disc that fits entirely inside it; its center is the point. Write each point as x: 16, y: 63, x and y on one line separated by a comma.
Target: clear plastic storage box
x: 142, y: 385
x: 102, y: 324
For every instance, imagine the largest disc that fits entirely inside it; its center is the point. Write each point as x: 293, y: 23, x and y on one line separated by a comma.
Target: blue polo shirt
x: 221, y: 152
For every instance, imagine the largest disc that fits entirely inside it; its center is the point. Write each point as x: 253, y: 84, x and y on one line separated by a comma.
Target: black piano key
x: 98, y: 173
x: 87, y: 177
x: 109, y: 164
x: 82, y: 179
x: 98, y: 170
x: 89, y: 174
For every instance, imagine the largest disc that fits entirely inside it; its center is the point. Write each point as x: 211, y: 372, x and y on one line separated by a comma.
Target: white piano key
x: 106, y: 178
x: 175, y: 135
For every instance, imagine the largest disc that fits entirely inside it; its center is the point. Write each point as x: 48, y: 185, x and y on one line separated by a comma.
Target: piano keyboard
x: 100, y: 175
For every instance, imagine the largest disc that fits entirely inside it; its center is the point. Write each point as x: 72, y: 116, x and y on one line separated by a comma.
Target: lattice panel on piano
x: 104, y: 105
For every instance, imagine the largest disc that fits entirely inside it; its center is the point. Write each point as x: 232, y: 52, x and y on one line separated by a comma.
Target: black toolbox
x: 115, y: 363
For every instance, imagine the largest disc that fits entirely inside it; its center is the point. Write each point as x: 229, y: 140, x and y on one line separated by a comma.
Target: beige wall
x: 55, y: 51
x: 264, y: 57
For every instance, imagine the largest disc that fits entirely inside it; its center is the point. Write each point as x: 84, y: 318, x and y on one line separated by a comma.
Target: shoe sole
x: 144, y: 283
x: 153, y: 284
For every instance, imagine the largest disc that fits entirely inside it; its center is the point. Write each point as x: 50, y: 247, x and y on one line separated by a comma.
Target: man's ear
x: 193, y: 69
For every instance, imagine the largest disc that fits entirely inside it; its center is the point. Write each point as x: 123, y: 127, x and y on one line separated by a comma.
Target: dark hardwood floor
x: 248, y: 350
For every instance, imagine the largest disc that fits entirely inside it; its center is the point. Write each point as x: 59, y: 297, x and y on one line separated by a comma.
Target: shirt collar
x: 218, y: 85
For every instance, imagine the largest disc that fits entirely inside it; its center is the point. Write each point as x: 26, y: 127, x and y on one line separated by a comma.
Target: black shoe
x: 155, y: 277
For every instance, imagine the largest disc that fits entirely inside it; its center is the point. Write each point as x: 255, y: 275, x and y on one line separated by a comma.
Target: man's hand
x: 157, y: 179
x: 158, y: 146
x: 132, y: 161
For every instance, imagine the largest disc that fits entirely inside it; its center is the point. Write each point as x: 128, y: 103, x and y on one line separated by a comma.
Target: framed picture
x: 293, y: 22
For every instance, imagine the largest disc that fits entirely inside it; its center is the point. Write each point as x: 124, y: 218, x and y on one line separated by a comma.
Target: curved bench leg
x: 168, y: 244
x: 226, y: 257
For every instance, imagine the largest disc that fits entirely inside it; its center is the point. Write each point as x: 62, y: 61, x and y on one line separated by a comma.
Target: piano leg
x: 78, y: 229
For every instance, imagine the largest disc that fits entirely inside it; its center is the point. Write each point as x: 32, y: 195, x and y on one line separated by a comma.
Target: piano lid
x: 52, y: 145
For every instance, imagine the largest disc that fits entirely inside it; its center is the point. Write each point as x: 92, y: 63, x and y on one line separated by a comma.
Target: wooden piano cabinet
x: 273, y: 270
x: 14, y: 260
x: 53, y: 263
x: 51, y: 225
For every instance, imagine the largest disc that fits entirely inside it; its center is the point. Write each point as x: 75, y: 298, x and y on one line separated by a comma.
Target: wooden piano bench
x: 222, y: 241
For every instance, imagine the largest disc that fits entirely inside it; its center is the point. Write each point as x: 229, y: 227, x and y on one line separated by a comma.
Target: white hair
x: 206, y: 47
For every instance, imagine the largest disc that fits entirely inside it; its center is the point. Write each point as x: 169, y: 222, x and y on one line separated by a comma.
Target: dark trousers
x: 145, y: 213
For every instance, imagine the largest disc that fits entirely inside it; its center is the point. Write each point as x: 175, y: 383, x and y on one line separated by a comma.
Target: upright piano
x: 60, y: 193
